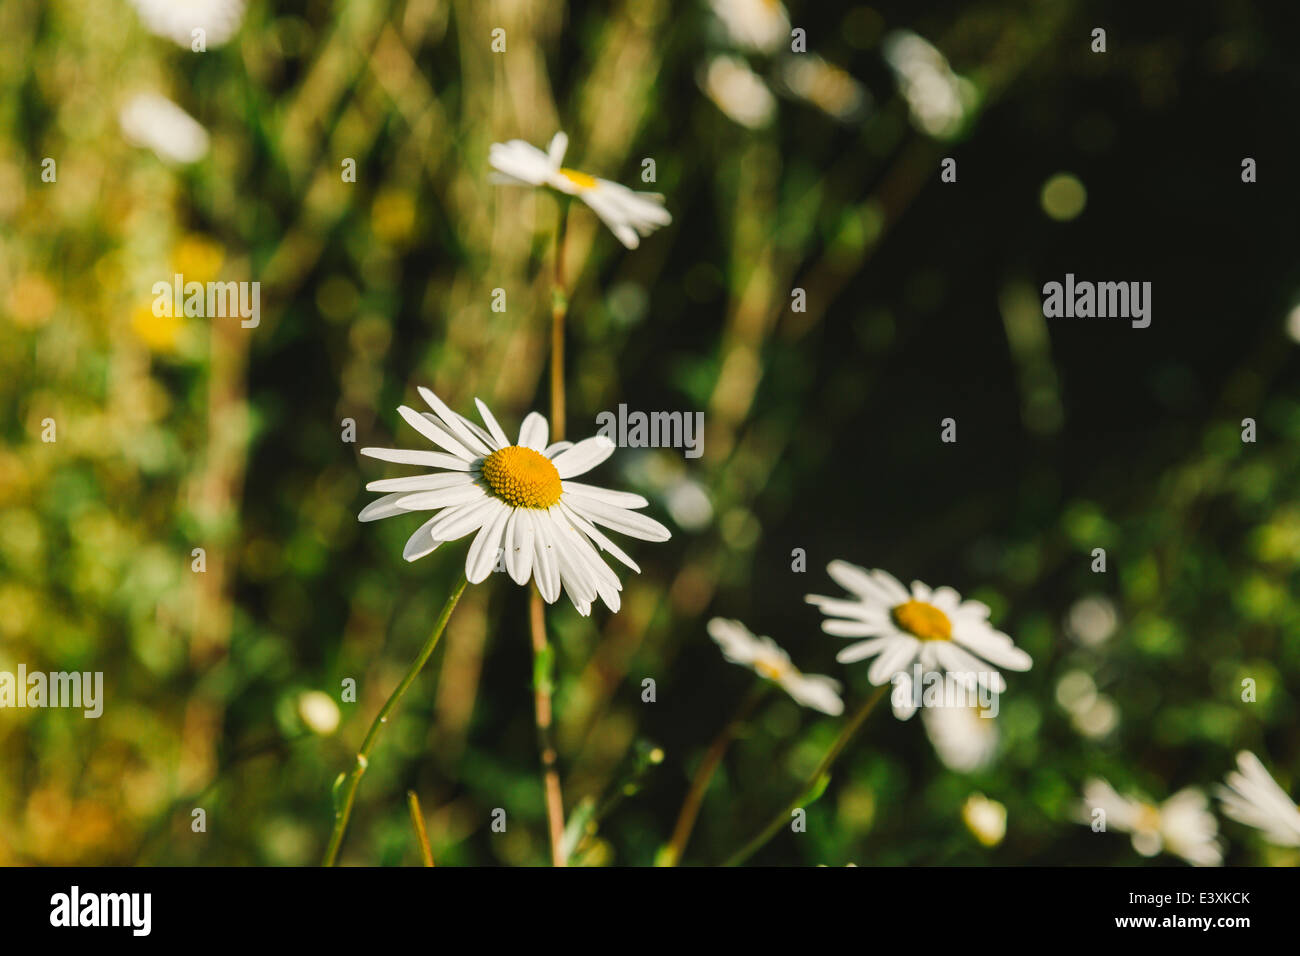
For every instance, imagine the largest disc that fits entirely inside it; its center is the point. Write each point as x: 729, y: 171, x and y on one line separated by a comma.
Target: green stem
x: 823, y: 768
x: 344, y: 812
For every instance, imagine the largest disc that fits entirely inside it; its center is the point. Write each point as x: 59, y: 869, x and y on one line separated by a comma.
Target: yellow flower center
x: 771, y: 668
x: 581, y: 180
x: 1147, y: 820
x: 924, y: 620
x: 522, y: 477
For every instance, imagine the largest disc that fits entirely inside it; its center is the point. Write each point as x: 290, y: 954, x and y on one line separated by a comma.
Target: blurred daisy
x: 760, y: 25
x: 937, y: 97
x: 738, y: 91
x: 765, y: 658
x: 178, y: 19
x: 986, y: 819
x: 1254, y: 798
x: 519, y: 500
x: 157, y: 123
x: 1183, y: 825
x: 826, y: 87
x: 963, y: 737
x: 936, y: 629
x: 628, y: 214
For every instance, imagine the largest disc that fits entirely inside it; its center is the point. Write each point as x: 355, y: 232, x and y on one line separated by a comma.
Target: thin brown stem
x: 543, y: 662
x: 704, y: 775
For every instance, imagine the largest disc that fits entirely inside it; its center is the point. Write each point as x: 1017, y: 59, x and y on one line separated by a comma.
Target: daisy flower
x: 759, y: 25
x: 986, y: 819
x: 763, y: 656
x: 517, y: 499
x: 1254, y: 798
x: 935, y: 629
x: 155, y: 122
x: 1182, y: 825
x: 965, y: 738
x: 178, y: 19
x: 738, y: 91
x: 628, y: 214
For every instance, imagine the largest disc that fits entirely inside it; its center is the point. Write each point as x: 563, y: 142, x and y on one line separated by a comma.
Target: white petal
x: 442, y: 498
x: 533, y: 432
x: 900, y: 652
x: 486, y: 546
x: 457, y: 522
x: 458, y: 426
x: 583, y: 456
x: 381, y: 508
x: 406, y: 456
x: 519, y: 546
x: 559, y: 146
x: 553, y: 450
x: 619, y: 499
x: 546, y: 569
x: 433, y: 482
x: 493, y: 428
x: 631, y: 523
x: 594, y: 533
x: 421, y: 542
x: 434, y: 433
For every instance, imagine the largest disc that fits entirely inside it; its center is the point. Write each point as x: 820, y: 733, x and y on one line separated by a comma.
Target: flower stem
x: 421, y: 834
x: 823, y: 768
x: 704, y: 774
x: 343, y: 810
x: 543, y: 663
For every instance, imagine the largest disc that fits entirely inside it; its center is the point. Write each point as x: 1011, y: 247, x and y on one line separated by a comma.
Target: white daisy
x: 628, y: 214
x: 965, y: 738
x: 939, y: 99
x: 763, y: 656
x: 827, y: 87
x: 178, y: 19
x: 986, y: 819
x: 155, y: 122
x: 760, y: 25
x: 519, y: 498
x: 936, y: 629
x: 738, y: 91
x: 1254, y: 798
x: 1183, y: 825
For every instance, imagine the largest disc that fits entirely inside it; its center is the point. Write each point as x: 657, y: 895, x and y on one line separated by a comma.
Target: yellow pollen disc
x: 581, y: 180
x: 771, y: 669
x: 924, y: 620
x: 522, y: 477
x: 1148, y: 818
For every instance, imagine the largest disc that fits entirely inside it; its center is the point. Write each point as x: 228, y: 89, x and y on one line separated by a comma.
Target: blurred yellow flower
x: 198, y: 258
x: 160, y: 332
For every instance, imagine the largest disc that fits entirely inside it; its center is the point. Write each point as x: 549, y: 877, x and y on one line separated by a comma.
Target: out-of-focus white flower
x: 738, y: 91
x: 1092, y: 619
x: 1254, y: 798
x: 760, y: 25
x: 518, y: 500
x: 155, y: 122
x: 178, y: 19
x: 763, y: 656
x: 629, y: 215
x: 933, y: 627
x: 1183, y: 825
x: 985, y: 818
x: 937, y: 97
x: 688, y: 504
x: 830, y: 89
x: 965, y: 738
x: 318, y: 711
x: 1093, y: 714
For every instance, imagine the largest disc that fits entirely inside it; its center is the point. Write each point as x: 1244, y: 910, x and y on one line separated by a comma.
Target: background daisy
x: 628, y: 214
x: 1183, y: 825
x: 933, y: 627
x: 763, y: 656
x: 1254, y: 798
